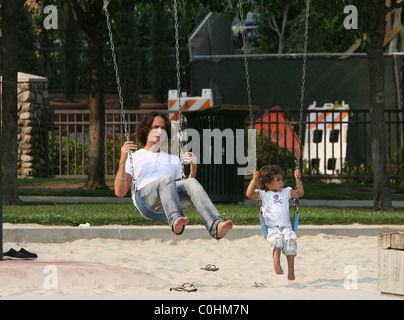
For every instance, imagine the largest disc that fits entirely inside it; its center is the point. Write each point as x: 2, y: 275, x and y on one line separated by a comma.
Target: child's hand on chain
x: 298, y: 175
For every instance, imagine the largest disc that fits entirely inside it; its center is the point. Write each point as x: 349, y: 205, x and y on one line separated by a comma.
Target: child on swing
x: 275, y: 210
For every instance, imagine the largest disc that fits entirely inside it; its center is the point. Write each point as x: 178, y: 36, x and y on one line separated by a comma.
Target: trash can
x: 218, y: 168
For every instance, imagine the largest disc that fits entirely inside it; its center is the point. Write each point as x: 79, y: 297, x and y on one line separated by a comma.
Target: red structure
x: 275, y: 125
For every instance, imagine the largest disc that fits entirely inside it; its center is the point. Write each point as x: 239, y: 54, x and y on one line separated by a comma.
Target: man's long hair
x: 143, y: 129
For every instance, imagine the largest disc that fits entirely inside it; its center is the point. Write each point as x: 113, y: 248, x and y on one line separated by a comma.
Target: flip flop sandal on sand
x: 185, y: 287
x: 258, y: 284
x: 210, y: 267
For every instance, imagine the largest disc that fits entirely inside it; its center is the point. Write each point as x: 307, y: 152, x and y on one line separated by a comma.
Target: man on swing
x: 158, y: 177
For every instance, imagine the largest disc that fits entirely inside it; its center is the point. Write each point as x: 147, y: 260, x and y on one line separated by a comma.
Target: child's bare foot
x: 291, y: 267
x: 276, y: 253
x: 179, y: 224
x: 291, y: 275
x: 278, y: 269
x: 223, y: 227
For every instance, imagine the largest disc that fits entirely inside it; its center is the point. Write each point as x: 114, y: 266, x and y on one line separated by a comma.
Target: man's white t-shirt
x: 149, y: 166
x: 275, y: 207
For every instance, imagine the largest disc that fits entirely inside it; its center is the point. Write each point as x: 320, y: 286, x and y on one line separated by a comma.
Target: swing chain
x: 302, y: 96
x: 177, y: 52
x: 247, y: 75
x: 114, y: 59
x: 243, y: 36
x: 178, y: 67
x: 118, y: 83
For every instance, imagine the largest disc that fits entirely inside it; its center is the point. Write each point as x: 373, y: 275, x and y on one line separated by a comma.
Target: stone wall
x: 33, y: 104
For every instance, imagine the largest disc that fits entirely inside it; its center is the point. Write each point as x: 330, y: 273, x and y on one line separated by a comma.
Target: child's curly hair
x: 267, y: 174
x: 143, y: 129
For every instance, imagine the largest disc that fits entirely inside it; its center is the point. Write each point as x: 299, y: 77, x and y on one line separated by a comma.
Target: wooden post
x: 390, y: 269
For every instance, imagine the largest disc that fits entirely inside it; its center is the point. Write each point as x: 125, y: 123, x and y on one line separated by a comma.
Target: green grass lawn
x: 313, y: 190
x: 126, y: 214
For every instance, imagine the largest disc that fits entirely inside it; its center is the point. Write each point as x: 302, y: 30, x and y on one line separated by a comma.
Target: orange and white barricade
x: 326, y: 137
x: 188, y: 103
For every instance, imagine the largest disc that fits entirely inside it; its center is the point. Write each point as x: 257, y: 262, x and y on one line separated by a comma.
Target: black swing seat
x: 145, y: 211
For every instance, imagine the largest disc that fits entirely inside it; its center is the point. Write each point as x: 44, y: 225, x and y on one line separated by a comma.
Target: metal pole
x: 287, y: 55
x: 1, y: 187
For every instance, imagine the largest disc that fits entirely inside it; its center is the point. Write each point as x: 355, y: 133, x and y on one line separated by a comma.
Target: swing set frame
x: 263, y: 227
x: 147, y: 213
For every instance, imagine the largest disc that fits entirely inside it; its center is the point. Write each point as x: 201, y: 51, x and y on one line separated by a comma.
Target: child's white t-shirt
x: 275, y: 207
x: 149, y: 166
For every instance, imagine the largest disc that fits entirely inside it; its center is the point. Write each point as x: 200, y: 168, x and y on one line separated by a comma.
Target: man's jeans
x: 165, y: 194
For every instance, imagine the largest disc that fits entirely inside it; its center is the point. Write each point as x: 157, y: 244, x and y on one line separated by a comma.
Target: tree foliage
x: 282, y: 29
x: 281, y: 26
x: 371, y: 21
x: 28, y: 61
x: 70, y: 53
x: 127, y: 42
x: 159, y: 45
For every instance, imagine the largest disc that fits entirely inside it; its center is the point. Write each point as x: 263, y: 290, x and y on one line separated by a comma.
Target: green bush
x: 397, y: 163
x: 69, y: 160
x: 269, y: 152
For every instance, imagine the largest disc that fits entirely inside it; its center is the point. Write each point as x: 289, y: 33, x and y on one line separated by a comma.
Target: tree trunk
x: 283, y: 29
x: 280, y: 31
x: 96, y: 169
x: 91, y: 20
x: 9, y: 154
x: 381, y: 185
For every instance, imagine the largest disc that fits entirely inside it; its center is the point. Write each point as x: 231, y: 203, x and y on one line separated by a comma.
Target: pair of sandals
x: 190, y: 287
x: 212, y: 267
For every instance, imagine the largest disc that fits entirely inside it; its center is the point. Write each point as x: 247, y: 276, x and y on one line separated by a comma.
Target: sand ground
x: 327, y: 267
